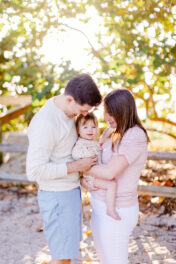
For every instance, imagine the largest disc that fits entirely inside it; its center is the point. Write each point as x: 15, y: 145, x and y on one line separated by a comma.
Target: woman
x: 124, y: 152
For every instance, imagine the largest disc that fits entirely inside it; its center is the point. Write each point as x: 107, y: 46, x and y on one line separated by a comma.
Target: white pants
x: 111, y: 236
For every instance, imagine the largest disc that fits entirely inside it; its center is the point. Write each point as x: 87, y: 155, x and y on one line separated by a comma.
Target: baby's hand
x: 85, y: 184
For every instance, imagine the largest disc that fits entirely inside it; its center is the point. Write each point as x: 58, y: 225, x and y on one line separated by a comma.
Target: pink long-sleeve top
x: 134, y: 147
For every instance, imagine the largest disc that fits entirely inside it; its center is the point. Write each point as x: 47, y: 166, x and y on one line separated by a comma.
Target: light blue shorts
x: 62, y: 216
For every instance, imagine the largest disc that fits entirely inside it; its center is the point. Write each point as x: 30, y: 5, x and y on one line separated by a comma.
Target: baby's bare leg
x: 111, y: 187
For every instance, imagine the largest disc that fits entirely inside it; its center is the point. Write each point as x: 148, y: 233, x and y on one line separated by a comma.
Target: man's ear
x: 69, y: 99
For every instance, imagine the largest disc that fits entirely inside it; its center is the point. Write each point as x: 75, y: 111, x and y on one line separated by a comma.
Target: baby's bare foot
x: 114, y: 215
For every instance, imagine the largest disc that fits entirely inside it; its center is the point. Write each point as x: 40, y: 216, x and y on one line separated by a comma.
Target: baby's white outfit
x: 85, y: 148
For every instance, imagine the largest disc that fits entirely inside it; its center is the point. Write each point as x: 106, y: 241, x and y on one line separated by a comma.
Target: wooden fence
x: 25, y: 103
x: 22, y: 102
x: 142, y: 189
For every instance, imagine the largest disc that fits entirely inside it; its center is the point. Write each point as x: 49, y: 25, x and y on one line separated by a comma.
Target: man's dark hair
x: 84, y: 90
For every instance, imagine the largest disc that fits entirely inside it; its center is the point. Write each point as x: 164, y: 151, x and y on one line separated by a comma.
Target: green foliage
x: 139, y: 40
x: 23, y: 69
x: 138, y: 51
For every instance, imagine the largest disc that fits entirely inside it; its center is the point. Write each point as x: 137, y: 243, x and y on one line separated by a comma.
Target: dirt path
x: 153, y: 240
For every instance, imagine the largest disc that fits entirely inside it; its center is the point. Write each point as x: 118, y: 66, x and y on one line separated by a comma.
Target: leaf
x: 87, y: 214
x: 89, y: 232
x: 4, y: 186
x: 88, y: 260
x: 121, y: 11
x: 7, y: 76
x: 26, y: 204
x: 155, y: 182
x: 5, y: 196
x: 132, y: 81
x: 154, y: 235
x: 165, y: 228
x: 155, y: 211
x: 39, y: 229
x: 157, y: 200
x: 168, y: 183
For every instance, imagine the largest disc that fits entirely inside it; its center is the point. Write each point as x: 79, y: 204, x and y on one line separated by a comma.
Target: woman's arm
x: 132, y: 146
x: 111, y: 170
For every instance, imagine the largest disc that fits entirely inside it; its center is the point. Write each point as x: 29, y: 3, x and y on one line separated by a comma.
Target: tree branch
x: 151, y: 99
x: 94, y: 51
x: 161, y: 132
x: 163, y: 120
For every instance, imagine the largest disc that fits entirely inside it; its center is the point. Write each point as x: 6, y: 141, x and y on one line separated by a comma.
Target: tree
x: 136, y: 48
x: 23, y: 69
x: 138, y: 51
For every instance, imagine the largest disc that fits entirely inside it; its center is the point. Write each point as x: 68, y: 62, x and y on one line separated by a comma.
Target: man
x: 52, y: 135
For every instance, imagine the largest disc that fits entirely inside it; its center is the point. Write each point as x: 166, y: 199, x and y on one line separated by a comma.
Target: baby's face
x: 88, y: 130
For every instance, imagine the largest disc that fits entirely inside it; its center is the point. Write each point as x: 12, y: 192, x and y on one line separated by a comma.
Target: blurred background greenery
x: 132, y: 43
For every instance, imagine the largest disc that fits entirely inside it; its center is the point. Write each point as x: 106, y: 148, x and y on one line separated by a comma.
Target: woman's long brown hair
x: 121, y: 105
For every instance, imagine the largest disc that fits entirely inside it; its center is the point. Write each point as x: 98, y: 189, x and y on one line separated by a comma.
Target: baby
x: 87, y: 146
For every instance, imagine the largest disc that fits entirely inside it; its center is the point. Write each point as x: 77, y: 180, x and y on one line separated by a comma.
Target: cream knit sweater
x: 52, y: 135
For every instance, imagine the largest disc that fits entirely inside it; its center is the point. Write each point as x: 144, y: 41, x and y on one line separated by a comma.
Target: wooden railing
x: 23, y: 103
x: 152, y: 190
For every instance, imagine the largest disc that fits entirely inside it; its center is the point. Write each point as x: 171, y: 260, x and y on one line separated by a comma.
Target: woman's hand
x: 105, y: 135
x: 86, y: 185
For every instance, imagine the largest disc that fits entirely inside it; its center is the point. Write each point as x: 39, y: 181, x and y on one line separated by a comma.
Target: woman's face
x: 109, y: 119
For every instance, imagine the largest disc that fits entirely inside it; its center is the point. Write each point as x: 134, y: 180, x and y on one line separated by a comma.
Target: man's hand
x: 81, y: 164
x: 86, y: 185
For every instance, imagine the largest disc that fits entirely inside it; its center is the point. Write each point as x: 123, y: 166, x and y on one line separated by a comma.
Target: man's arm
x: 81, y: 164
x: 41, y: 136
x: 41, y: 144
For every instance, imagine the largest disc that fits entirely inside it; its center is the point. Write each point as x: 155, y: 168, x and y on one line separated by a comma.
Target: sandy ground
x: 153, y: 239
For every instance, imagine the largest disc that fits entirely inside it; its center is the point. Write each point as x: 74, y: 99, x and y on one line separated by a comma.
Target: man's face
x: 75, y: 109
